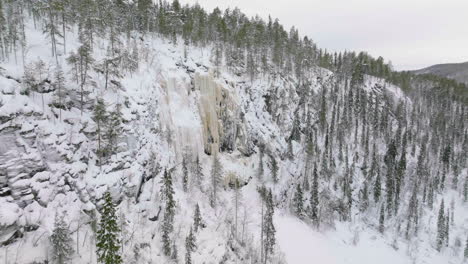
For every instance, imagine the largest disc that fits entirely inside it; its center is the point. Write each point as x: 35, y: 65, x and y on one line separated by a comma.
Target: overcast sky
x: 411, y: 33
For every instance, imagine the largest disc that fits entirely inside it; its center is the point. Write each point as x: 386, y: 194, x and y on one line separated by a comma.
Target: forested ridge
x: 327, y: 137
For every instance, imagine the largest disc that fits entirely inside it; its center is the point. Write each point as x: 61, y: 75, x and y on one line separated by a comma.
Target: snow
x: 9, y: 212
x: 167, y: 111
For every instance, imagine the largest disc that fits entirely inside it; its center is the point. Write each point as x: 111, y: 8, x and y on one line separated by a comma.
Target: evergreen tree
x: 167, y: 194
x: 389, y: 190
x: 197, y: 219
x: 108, y: 243
x: 185, y: 179
x: 189, y: 247
x: 298, y: 202
x: 61, y: 240
x: 382, y: 220
x: 198, y: 172
x: 269, y: 228
x: 274, y: 169
x: 59, y: 86
x: 3, y: 34
x: 441, y: 227
x: 466, y: 249
x: 216, y: 174
x: 261, y: 170
x: 377, y: 187
x: 447, y: 228
x: 113, y: 130
x: 100, y: 117
x: 465, y: 190
x: 314, y: 198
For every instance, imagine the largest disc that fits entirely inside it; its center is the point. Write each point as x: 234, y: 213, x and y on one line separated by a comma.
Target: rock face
x: 222, y: 120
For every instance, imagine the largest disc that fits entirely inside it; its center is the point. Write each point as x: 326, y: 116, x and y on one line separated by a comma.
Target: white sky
x: 411, y: 33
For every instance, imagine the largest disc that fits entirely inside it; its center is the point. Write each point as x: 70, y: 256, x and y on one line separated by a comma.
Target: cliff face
x: 176, y: 108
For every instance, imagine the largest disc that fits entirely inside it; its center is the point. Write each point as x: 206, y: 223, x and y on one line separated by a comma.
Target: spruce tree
x: 185, y: 179
x: 377, y: 187
x: 59, y: 86
x: 441, y: 227
x: 197, y: 219
x: 274, y: 169
x: 382, y: 220
x: 113, y: 130
x: 466, y: 249
x: 100, y: 117
x: 261, y: 170
x: 298, y: 202
x: 3, y: 33
x: 108, y: 242
x: 198, y: 172
x: 314, y: 198
x: 61, y: 240
x: 216, y: 174
x: 465, y: 190
x: 269, y: 228
x: 167, y: 194
x: 447, y: 228
x: 190, y: 244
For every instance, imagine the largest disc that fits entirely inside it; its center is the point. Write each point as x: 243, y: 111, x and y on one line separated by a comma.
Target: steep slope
x: 455, y: 71
x: 179, y: 103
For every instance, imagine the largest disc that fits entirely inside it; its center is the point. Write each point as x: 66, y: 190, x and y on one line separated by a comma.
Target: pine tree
x: 167, y: 194
x: 108, y: 243
x: 197, y: 172
x: 236, y: 198
x: 83, y: 61
x: 185, y: 179
x: 100, y: 117
x: 3, y: 33
x: 314, y: 198
x: 197, y: 219
x: 382, y: 220
x: 441, y: 227
x: 190, y: 245
x: 59, y: 86
x: 389, y: 190
x: 298, y: 202
x: 261, y: 170
x: 113, y: 130
x: 377, y: 187
x: 447, y: 228
x: 174, y: 253
x: 274, y: 169
x: 466, y: 249
x: 465, y: 190
x: 216, y: 174
x: 61, y: 240
x: 269, y: 228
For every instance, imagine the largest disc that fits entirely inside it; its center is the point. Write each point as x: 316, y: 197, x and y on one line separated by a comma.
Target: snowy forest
x: 154, y: 132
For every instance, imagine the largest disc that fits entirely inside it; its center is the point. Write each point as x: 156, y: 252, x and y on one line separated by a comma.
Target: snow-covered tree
x: 382, y: 220
x: 314, y: 199
x: 108, y: 242
x: 216, y: 174
x: 167, y: 193
x: 441, y: 227
x: 190, y: 245
x: 197, y: 219
x: 298, y: 202
x: 185, y: 175
x: 62, y: 250
x: 100, y: 116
